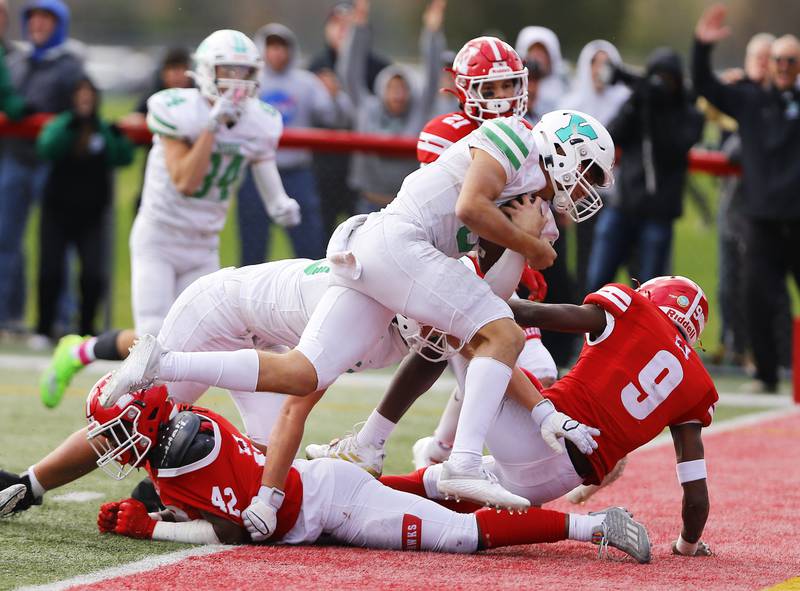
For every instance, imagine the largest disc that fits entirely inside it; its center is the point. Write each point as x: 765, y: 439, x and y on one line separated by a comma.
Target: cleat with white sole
x: 479, y: 487
x: 9, y: 497
x: 619, y: 530
x: 347, y: 448
x: 138, y: 371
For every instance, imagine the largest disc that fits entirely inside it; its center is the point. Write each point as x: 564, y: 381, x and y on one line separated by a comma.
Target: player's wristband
x: 686, y: 548
x: 542, y: 410
x: 690, y: 471
x: 271, y: 496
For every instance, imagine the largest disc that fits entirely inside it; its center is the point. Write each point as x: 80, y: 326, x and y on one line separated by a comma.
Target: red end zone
x: 753, y: 478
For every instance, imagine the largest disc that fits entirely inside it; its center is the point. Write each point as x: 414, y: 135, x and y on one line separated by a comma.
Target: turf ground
x: 59, y: 539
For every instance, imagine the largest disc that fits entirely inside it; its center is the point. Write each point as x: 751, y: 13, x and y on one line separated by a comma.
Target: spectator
x: 541, y: 45
x: 303, y: 101
x: 655, y: 129
x: 331, y: 168
x: 44, y: 74
x: 76, y: 203
x: 447, y: 97
x: 593, y: 93
x: 769, y: 126
x: 396, y: 108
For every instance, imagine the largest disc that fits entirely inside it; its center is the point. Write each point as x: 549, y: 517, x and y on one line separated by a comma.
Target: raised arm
x: 351, y: 64
x: 432, y: 43
x: 692, y: 476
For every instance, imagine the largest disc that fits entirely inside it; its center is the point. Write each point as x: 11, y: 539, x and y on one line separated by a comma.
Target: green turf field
x: 60, y: 538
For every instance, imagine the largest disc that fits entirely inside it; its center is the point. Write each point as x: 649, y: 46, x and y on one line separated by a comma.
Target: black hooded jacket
x: 655, y: 129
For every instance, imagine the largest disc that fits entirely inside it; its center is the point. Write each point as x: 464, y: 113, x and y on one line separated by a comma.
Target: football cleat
x: 428, y: 451
x: 619, y: 530
x: 9, y: 497
x: 480, y: 487
x: 62, y: 368
x: 137, y: 372
x: 9, y: 480
x: 367, y: 457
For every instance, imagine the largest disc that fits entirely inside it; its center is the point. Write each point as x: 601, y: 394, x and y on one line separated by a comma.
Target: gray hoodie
x: 552, y: 88
x: 298, y: 95
x: 369, y: 172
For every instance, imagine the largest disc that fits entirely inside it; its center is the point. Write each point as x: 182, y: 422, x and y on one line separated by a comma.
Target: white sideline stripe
x: 78, y: 496
x: 381, y: 381
x: 140, y: 566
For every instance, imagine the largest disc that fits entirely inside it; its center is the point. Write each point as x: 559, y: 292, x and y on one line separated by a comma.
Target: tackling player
x: 203, y: 138
x: 636, y: 375
x: 206, y: 472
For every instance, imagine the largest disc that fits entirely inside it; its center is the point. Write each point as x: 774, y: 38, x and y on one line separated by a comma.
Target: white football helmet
x: 427, y: 342
x: 226, y: 48
x: 578, y: 152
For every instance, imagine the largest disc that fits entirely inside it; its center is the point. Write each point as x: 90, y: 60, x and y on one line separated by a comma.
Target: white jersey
x: 277, y: 299
x: 428, y: 195
x: 182, y: 113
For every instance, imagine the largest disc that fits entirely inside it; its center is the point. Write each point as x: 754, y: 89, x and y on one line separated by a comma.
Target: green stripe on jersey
x: 514, y: 137
x: 164, y: 123
x: 503, y: 146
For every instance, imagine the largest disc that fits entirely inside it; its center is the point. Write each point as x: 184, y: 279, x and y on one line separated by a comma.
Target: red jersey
x: 224, y: 482
x: 442, y: 132
x: 636, y: 378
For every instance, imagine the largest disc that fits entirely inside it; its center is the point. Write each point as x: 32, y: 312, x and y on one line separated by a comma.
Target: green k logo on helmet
x: 577, y: 126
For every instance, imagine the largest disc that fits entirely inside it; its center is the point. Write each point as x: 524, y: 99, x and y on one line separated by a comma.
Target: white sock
x: 233, y: 370
x: 484, y: 388
x: 375, y: 431
x: 36, y: 487
x: 85, y: 351
x: 581, y: 526
x: 445, y: 433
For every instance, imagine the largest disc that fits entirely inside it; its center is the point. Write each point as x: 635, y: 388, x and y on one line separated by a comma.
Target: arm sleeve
x: 119, y: 149
x: 505, y: 274
x: 351, y: 65
x: 56, y: 138
x: 268, y: 182
x: 728, y: 98
x: 507, y: 140
x: 197, y: 531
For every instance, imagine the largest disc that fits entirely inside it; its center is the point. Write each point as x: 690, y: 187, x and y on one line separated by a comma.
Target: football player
x: 403, y: 260
x: 490, y: 81
x: 636, y: 375
x: 203, y: 138
x: 206, y: 472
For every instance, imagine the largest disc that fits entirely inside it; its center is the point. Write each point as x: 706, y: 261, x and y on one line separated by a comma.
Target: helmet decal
x: 577, y: 126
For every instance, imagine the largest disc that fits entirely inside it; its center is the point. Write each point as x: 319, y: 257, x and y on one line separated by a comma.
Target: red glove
x: 107, y: 518
x: 134, y: 521
x: 536, y: 284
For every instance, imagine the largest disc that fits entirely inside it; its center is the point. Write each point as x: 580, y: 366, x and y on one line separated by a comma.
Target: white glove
x: 261, y: 517
x: 285, y: 211
x: 555, y: 424
x: 224, y: 111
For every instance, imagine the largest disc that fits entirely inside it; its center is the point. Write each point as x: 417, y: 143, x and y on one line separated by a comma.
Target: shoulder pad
x: 169, y: 112
x: 180, y: 442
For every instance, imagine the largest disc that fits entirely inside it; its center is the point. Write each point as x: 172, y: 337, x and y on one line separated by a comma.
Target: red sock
x: 507, y: 529
x: 412, y: 483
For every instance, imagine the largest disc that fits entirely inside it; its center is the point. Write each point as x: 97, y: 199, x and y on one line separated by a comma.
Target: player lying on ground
x: 203, y: 140
x: 402, y: 260
x: 206, y: 472
x: 636, y: 375
x: 265, y: 306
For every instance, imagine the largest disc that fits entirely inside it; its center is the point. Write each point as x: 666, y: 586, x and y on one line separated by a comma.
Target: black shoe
x: 8, y: 479
x: 145, y: 492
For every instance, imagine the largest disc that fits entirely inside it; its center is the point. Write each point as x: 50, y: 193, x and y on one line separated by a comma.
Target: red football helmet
x: 682, y: 300
x: 488, y: 59
x: 123, y: 435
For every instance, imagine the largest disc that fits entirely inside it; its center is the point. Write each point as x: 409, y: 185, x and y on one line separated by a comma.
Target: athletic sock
x: 484, y: 388
x: 445, y: 433
x: 105, y: 346
x: 581, y: 526
x: 501, y: 528
x: 85, y: 351
x: 375, y: 431
x: 232, y: 370
x: 410, y: 483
